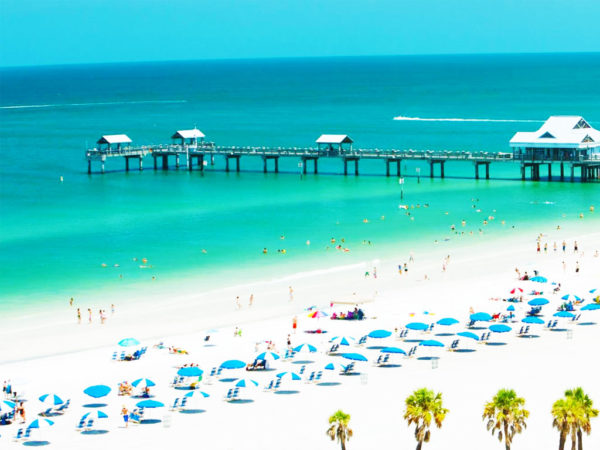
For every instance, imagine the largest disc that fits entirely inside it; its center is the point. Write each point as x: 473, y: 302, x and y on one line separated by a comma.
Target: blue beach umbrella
x: 245, y: 382
x: 431, y: 343
x: 393, y: 350
x: 189, y: 372
x: 591, y: 307
x: 342, y: 340
x: 233, y: 364
x: 305, y: 348
x: 11, y: 405
x: 571, y: 297
x: 468, y: 334
x: 143, y: 382
x: 538, y: 301
x: 41, y: 423
x: 563, y: 314
x: 480, y: 317
x: 95, y: 415
x: 511, y: 308
x: 499, y: 328
x: 447, y: 321
x: 533, y: 319
x: 417, y: 326
x: 334, y: 366
x: 51, y: 399
x: 97, y: 391
x: 268, y: 356
x: 354, y: 356
x: 289, y: 375
x: 539, y: 279
x: 593, y: 291
x: 379, y: 334
x: 198, y: 393
x: 129, y: 342
x: 149, y: 404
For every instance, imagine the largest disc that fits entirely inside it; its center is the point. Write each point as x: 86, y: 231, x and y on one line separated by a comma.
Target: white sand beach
x: 49, y: 352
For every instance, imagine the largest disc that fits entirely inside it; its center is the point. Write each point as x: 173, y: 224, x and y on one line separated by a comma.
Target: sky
x: 46, y: 32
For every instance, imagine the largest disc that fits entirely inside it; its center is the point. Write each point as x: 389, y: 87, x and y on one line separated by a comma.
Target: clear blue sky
x: 37, y: 32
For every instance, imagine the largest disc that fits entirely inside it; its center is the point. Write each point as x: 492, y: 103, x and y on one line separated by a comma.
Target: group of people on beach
x: 102, y: 315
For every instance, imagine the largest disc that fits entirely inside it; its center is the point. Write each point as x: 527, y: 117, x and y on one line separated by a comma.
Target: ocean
x: 101, y: 234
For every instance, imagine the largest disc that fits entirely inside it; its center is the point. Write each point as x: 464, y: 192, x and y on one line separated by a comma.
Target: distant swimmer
x: 71, y: 302
x: 135, y: 259
x: 144, y: 260
x: 61, y: 179
x: 265, y: 251
x: 283, y: 251
x: 382, y: 217
x: 307, y: 242
x: 204, y: 250
x: 282, y: 237
x: 365, y: 220
x: 116, y: 265
x: 463, y: 222
x: 332, y: 240
x: 103, y: 265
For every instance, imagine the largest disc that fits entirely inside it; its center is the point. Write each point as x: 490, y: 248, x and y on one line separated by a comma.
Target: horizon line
x: 271, y: 58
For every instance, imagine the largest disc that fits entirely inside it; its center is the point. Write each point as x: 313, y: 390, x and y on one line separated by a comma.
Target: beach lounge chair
x: 89, y: 425
x: 430, y: 329
x: 362, y: 340
x: 453, y: 346
x: 378, y: 360
x: 80, y: 425
x: 576, y: 318
x: 318, y: 377
x: 277, y: 384
x: 334, y: 348
x: 302, y: 369
x: 27, y: 434
x: 412, y: 352
x: 183, y: 404
x: 311, y: 377
x: 114, y: 356
x: 175, y: 404
x: 19, y: 435
x: 47, y: 413
x: 289, y: 354
x: 471, y: 324
x: 229, y: 395
x: 63, y: 408
x: 269, y: 387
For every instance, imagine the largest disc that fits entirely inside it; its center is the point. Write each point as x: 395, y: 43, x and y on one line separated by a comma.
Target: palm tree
x: 505, y: 414
x: 339, y: 428
x: 563, y: 418
x: 583, y: 411
x: 422, y: 406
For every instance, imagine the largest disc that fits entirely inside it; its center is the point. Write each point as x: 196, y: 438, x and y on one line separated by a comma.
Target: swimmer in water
x: 203, y: 250
x: 265, y: 251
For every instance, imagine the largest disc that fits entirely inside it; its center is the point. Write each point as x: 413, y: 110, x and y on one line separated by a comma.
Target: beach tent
x: 51, y: 399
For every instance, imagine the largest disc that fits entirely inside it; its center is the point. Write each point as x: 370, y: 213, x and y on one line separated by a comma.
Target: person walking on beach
x: 78, y: 316
x: 251, y: 300
x: 577, y: 267
x: 237, y: 302
x: 291, y: 294
x: 294, y: 324
x: 575, y: 247
x: 89, y: 315
x: 71, y: 302
x: 538, y: 246
x: 112, y: 308
x: 125, y: 414
x: 564, y: 246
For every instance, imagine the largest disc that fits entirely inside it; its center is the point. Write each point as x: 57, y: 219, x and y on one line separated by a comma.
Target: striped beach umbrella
x: 334, y: 366
x: 571, y: 298
x: 40, y: 423
x: 305, y: 348
x: 197, y: 394
x: 267, y: 356
x: 516, y: 291
x: 317, y: 314
x: 51, y: 399
x: 245, y: 382
x: 129, y: 342
x: 342, y: 340
x: 95, y: 415
x: 289, y: 376
x: 143, y: 383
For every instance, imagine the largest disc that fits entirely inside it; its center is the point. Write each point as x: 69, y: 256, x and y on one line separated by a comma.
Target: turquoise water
x: 54, y: 237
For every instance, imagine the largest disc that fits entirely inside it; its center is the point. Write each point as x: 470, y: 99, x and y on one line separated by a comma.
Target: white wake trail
x: 458, y: 119
x: 59, y: 105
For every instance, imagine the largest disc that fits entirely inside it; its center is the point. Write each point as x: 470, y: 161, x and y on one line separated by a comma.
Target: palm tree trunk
x: 419, y: 445
x: 343, y: 443
x: 579, y: 439
x: 573, y: 440
x: 562, y: 440
x: 506, y: 440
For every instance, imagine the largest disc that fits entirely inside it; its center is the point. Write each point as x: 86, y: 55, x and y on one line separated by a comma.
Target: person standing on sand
x: 575, y: 247
x: 251, y: 300
x: 78, y: 316
x: 237, y: 302
x: 577, y: 267
x: 125, y: 414
x: 71, y: 302
x: 112, y: 308
x: 294, y: 324
x: 89, y: 315
x: 564, y: 246
x: 291, y: 294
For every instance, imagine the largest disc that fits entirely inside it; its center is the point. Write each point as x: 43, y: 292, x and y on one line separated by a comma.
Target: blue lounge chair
x: 319, y: 375
x: 62, y: 408
x: 302, y: 369
x: 175, y: 404
x: 114, y: 356
x: 362, y: 340
x: 311, y: 377
x: 184, y: 401
x: 27, y: 433
x: 80, y: 425
x: 47, y: 413
x: 19, y: 435
x: 269, y: 386
x: 90, y: 424
x: 277, y: 384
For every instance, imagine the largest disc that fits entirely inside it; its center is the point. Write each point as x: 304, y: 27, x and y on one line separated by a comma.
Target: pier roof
x: 188, y: 134
x: 560, y: 132
x: 114, y: 139
x: 334, y: 139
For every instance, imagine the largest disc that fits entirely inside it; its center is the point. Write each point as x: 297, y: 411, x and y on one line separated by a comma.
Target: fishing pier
x: 190, y: 150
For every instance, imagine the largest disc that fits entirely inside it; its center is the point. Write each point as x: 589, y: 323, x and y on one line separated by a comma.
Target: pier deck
x: 589, y: 167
